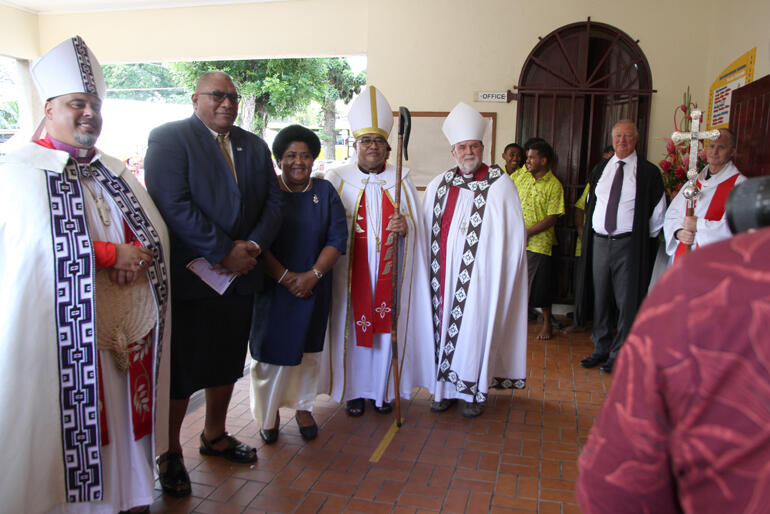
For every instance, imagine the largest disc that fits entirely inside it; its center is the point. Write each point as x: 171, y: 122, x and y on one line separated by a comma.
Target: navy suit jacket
x: 205, y: 210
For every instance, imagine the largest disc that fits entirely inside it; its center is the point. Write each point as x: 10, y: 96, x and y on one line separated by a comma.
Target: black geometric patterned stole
x: 75, y: 313
x: 76, y: 335
x: 145, y: 233
x: 444, y: 355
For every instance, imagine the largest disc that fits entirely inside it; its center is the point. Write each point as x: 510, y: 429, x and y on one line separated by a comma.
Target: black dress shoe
x: 309, y: 433
x: 269, y: 436
x: 594, y: 360
x: 607, y: 368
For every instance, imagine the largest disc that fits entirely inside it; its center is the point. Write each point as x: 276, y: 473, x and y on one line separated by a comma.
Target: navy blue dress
x: 284, y: 327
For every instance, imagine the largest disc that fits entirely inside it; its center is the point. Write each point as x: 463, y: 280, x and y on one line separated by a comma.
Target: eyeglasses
x: 219, y: 96
x: 368, y: 141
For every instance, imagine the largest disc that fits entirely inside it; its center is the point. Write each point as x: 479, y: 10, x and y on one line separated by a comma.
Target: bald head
x: 215, y: 101
x: 720, y: 151
x: 209, y: 77
x: 624, y: 138
x: 729, y: 137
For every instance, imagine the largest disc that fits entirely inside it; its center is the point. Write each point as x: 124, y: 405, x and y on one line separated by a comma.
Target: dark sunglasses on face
x: 219, y: 96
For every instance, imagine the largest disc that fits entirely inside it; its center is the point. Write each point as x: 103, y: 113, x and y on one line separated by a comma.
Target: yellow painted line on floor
x: 380, y: 450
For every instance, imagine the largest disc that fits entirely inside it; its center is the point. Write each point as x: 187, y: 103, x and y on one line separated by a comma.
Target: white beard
x: 469, y: 165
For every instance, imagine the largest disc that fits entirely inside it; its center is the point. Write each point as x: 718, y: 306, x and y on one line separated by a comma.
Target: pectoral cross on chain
x: 691, y: 191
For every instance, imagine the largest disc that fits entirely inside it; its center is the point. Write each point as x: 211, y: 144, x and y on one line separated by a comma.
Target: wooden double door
x: 575, y: 85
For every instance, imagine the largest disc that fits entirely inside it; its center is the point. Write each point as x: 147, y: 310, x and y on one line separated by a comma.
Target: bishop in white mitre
x: 478, y: 273
x: 85, y: 319
x: 357, y: 354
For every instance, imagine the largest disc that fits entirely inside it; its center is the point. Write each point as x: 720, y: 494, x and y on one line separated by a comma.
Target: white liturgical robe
x: 350, y: 371
x: 709, y: 209
x: 480, y: 332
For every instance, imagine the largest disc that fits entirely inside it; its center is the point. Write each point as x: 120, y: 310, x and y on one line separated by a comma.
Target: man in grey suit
x: 215, y: 186
x: 625, y: 209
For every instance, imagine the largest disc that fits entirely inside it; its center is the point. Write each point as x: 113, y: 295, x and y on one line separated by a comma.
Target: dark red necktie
x: 611, y: 218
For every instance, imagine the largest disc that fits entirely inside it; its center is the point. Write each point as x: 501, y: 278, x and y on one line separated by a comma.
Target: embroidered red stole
x: 372, y: 317
x: 715, y: 210
x: 446, y: 221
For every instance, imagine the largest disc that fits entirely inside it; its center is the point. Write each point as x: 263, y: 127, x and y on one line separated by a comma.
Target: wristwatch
x: 317, y: 274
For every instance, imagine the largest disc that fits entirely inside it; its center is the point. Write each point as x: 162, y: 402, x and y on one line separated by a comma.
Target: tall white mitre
x: 70, y: 67
x: 370, y: 113
x: 464, y: 123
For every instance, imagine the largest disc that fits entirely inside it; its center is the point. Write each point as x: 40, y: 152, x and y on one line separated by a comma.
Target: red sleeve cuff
x: 105, y: 253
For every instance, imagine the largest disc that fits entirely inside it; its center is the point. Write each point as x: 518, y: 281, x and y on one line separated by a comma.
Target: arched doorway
x: 576, y: 83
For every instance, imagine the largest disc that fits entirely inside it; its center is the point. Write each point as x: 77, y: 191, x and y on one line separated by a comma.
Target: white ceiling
x: 75, y: 6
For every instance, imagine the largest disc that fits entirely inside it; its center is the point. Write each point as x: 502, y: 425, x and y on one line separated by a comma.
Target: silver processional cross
x: 691, y: 191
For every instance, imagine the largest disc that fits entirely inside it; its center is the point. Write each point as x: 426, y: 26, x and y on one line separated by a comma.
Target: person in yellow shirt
x: 542, y: 202
x: 513, y: 155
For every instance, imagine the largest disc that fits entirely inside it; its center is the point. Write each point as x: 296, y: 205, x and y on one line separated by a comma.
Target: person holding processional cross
x: 357, y: 355
x: 478, y: 273
x: 707, y: 224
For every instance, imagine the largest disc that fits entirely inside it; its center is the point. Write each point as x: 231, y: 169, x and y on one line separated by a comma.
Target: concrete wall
x: 730, y: 34
x: 426, y: 54
x: 18, y: 33
x: 298, y: 28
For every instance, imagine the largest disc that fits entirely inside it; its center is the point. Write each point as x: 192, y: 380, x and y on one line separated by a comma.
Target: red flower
x: 670, y: 148
x: 680, y: 172
x: 683, y: 107
x: 665, y: 165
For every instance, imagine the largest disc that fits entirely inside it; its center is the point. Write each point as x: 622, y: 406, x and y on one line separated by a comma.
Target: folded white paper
x: 216, y: 281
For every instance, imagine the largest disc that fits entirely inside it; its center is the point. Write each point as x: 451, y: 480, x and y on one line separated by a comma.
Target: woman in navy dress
x: 290, y: 315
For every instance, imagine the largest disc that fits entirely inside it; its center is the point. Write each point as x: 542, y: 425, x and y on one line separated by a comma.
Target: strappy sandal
x: 355, y: 408
x: 175, y: 481
x: 386, y: 408
x: 236, y: 451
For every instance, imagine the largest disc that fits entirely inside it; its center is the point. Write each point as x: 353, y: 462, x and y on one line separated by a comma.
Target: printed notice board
x: 738, y: 74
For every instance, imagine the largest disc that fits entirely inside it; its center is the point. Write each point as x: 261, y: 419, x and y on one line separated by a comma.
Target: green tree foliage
x: 9, y: 115
x: 341, y: 84
x: 276, y: 88
x: 143, y: 81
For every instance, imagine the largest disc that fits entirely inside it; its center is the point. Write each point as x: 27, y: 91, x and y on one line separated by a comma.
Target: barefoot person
x: 542, y: 202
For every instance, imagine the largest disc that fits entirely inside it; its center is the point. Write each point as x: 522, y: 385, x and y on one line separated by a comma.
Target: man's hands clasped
x: 241, y: 259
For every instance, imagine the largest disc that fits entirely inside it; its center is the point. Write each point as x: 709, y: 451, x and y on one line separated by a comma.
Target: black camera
x: 748, y: 205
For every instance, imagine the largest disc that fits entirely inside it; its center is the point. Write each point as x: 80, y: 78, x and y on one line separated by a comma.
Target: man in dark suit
x: 215, y: 186
x: 625, y: 209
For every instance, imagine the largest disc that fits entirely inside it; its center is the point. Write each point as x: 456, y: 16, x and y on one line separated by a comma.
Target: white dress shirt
x: 627, y: 199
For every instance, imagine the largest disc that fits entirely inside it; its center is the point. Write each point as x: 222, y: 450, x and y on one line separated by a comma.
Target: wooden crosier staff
x: 691, y: 191
x: 404, y: 129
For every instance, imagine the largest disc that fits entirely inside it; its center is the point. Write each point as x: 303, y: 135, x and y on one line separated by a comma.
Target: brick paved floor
x: 519, y: 456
